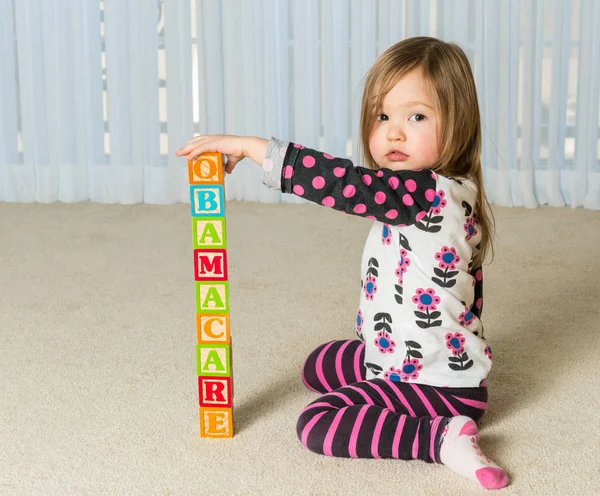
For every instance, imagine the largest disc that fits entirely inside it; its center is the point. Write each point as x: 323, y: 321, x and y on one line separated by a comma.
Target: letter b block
x: 207, y: 201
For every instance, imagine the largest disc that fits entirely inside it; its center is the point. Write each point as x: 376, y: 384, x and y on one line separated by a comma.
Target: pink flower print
x: 447, y: 258
x: 384, y: 342
x: 488, y: 352
x: 470, y: 227
x: 386, y: 235
x: 402, y: 265
x: 410, y: 369
x: 359, y: 322
x: 466, y: 318
x: 425, y: 299
x: 393, y: 374
x: 438, y: 203
x: 455, y: 343
x: 370, y: 287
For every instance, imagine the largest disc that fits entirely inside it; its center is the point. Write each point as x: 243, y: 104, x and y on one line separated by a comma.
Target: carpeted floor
x: 97, y: 353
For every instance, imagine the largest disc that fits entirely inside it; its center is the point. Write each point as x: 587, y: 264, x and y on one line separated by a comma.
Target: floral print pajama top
x: 420, y: 298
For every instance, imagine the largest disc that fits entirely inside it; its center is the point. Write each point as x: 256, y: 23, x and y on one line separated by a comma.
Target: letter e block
x: 216, y: 422
x: 212, y: 328
x: 206, y: 169
x: 209, y: 232
x: 213, y: 360
x: 215, y: 391
x: 207, y: 201
x: 210, y: 265
x: 212, y: 297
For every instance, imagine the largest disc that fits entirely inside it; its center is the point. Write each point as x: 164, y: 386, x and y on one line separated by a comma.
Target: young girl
x: 413, y: 384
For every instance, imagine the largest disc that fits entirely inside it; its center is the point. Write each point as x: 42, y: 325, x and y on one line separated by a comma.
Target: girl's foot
x: 460, y: 452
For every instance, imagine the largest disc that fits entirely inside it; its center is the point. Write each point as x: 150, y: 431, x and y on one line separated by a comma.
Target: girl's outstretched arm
x: 399, y: 198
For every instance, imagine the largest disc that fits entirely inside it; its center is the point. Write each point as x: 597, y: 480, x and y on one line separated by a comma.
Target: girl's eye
x: 417, y: 118
x: 382, y: 117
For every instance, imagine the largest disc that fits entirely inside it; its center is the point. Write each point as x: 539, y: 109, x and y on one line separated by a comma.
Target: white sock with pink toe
x: 461, y: 454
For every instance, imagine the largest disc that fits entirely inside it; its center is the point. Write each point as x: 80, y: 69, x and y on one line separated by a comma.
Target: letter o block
x: 206, y: 169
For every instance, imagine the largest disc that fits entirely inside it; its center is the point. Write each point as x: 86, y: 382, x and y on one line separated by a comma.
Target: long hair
x: 446, y: 69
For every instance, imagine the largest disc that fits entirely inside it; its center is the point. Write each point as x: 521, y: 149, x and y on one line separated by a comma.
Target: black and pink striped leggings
x: 376, y: 418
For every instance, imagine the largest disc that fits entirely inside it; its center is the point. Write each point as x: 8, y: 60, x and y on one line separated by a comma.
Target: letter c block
x: 212, y: 328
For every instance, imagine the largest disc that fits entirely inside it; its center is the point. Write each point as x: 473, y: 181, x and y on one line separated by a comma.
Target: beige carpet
x: 97, y: 353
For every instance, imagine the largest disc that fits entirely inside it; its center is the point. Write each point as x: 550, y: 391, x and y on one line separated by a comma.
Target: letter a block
x: 213, y: 360
x: 213, y: 351
x: 208, y: 232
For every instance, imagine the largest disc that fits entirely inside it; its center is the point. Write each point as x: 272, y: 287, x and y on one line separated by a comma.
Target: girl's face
x: 405, y: 136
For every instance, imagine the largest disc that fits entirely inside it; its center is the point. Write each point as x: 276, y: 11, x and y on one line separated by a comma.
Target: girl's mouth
x: 396, y: 156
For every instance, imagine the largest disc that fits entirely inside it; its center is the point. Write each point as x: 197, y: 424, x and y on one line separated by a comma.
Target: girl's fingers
x: 189, y: 146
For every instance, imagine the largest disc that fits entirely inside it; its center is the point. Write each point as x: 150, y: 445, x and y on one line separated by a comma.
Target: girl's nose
x: 395, y: 133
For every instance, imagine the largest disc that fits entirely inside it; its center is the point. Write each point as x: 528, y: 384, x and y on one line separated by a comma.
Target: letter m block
x: 210, y: 265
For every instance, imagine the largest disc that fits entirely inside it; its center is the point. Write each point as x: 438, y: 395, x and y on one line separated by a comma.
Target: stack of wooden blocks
x: 213, y: 351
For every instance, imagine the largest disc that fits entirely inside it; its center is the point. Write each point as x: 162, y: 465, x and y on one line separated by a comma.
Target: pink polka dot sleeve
x: 393, y: 197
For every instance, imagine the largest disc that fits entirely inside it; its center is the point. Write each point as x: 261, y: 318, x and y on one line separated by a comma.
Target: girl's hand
x: 230, y: 146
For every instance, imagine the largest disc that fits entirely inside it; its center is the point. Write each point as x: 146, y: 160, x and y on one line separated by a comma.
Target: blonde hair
x: 446, y: 69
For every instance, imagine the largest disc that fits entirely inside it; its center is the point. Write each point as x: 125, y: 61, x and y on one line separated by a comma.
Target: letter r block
x: 215, y: 391
x: 210, y: 265
x: 216, y: 422
x: 206, y: 169
x: 207, y: 201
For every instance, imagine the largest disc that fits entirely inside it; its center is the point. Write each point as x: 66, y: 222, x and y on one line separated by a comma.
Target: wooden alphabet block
x: 216, y: 422
x: 212, y: 328
x: 213, y: 360
x: 206, y: 169
x: 207, y: 201
x: 215, y: 391
x: 212, y: 297
x: 213, y: 351
x: 210, y: 265
x: 209, y: 232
